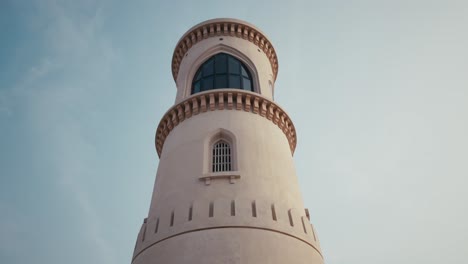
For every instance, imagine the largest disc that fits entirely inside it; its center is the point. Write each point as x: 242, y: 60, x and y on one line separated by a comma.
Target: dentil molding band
x: 223, y: 27
x: 225, y: 99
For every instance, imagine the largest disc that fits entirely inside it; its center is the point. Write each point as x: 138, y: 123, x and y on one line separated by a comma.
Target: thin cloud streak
x: 74, y: 44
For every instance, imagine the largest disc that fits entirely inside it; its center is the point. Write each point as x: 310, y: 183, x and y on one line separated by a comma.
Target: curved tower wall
x: 251, y: 55
x: 251, y: 214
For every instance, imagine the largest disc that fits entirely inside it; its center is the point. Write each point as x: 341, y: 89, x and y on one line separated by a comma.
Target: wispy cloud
x: 70, y: 71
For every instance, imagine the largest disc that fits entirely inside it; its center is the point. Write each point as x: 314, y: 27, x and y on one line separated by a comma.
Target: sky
x: 377, y: 91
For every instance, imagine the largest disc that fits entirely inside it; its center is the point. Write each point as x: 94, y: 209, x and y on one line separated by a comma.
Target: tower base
x: 230, y: 245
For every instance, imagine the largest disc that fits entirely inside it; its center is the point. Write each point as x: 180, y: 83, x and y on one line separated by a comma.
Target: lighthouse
x: 226, y: 189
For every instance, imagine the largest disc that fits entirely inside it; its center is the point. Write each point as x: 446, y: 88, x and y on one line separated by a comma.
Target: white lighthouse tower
x: 226, y: 189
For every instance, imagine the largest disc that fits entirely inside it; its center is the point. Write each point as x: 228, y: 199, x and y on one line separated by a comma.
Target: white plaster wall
x: 245, y: 51
x: 230, y: 246
x: 267, y: 179
x: 264, y: 161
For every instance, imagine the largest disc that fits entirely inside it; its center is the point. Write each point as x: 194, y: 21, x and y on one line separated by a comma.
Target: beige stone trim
x: 223, y: 27
x: 231, y: 175
x: 214, y: 100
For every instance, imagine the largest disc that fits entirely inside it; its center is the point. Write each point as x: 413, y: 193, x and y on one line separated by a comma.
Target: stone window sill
x: 231, y: 175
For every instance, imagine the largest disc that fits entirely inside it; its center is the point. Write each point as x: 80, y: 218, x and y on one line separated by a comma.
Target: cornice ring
x: 223, y: 27
x: 225, y: 99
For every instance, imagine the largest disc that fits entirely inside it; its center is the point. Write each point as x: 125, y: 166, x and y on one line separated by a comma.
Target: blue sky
x: 377, y: 90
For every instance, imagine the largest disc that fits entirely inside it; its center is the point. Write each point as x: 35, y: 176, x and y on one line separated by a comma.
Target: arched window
x: 221, y: 156
x: 222, y: 71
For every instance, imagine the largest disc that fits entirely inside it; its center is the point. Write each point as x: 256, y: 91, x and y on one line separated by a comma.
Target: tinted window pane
x: 199, y: 75
x: 221, y: 81
x: 207, y: 84
x: 196, y: 87
x: 208, y: 68
x: 221, y: 63
x: 234, y: 81
x: 234, y: 66
x: 244, y: 72
x: 246, y: 84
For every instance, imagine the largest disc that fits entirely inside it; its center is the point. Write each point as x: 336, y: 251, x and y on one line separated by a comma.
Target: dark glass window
x: 246, y: 84
x: 208, y: 68
x: 220, y: 63
x: 234, y: 66
x: 222, y: 71
x: 234, y: 81
x: 221, y: 80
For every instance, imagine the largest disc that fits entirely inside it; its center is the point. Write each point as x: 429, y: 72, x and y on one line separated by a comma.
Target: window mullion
x: 240, y: 77
x: 217, y: 158
x: 222, y: 158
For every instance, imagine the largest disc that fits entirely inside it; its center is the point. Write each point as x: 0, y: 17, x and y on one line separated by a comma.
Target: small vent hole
x: 157, y: 226
x: 211, y: 209
x: 144, y: 234
x: 290, y: 218
x: 273, y: 212
x: 172, y: 218
x: 190, y: 212
x: 254, y: 209
x: 233, y: 208
x: 303, y: 225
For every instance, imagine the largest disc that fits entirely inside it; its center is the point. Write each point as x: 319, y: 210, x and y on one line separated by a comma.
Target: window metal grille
x: 221, y: 156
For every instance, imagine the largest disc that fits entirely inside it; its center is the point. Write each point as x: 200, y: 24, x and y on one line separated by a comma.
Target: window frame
x: 242, y: 74
x: 210, y: 141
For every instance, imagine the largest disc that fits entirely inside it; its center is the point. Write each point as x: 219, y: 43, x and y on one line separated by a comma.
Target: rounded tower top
x: 223, y: 27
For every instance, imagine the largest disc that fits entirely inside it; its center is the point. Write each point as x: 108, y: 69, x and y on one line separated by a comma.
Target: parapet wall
x: 223, y: 213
